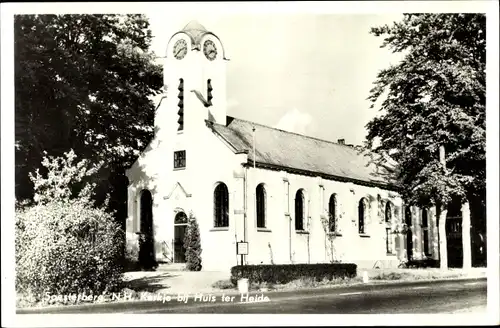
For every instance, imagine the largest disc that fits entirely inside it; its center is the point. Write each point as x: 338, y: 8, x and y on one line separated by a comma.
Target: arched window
x: 425, y: 220
x: 388, y: 212
x: 221, y: 206
x: 408, y: 216
x: 299, y: 210
x: 332, y: 211
x: 389, y: 242
x: 425, y: 231
x: 260, y: 201
x: 361, y: 216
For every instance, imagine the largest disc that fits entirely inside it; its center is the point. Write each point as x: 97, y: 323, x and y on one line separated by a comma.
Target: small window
x: 260, y: 199
x: 179, y: 159
x: 299, y: 210
x: 361, y: 216
x: 221, y: 206
x: 332, y: 211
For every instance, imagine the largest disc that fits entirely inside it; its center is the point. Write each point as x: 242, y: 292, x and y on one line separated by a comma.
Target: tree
x: 192, y: 244
x: 83, y: 82
x: 65, y: 244
x: 433, y: 115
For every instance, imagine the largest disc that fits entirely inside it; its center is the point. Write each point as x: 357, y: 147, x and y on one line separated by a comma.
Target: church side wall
x: 280, y: 243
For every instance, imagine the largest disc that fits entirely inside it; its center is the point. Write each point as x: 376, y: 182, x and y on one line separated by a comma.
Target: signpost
x: 242, y: 249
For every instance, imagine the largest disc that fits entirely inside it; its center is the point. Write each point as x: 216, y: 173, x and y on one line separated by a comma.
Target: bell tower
x: 194, y: 77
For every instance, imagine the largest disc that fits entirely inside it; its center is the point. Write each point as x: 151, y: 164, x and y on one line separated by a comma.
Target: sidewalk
x: 188, y: 282
x: 174, y: 282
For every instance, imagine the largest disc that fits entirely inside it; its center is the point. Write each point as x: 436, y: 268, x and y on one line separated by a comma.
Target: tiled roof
x: 284, y: 150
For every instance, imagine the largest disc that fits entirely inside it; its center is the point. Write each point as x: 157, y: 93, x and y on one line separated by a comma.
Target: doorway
x: 180, y: 226
x: 146, y: 241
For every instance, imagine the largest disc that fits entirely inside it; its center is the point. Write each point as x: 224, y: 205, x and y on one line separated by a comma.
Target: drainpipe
x: 289, y: 219
x: 245, y: 207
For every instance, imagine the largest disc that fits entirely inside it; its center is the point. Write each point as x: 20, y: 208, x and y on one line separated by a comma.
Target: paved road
x: 414, y: 297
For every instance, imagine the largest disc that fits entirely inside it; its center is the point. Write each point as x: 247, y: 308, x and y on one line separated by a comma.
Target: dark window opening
x: 332, y: 220
x: 299, y: 210
x: 221, y: 206
x: 425, y: 219
x: 388, y: 213
x: 179, y: 159
x: 361, y: 216
x: 209, y: 92
x: 180, y: 112
x: 408, y: 216
x: 260, y: 195
x: 426, y: 242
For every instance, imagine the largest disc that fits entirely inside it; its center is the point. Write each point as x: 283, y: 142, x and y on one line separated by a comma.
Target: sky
x: 306, y: 73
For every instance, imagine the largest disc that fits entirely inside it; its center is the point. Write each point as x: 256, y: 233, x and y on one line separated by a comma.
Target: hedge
x: 284, y: 273
x: 426, y: 263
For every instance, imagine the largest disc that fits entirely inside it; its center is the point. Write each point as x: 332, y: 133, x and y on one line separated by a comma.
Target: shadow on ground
x: 150, y: 283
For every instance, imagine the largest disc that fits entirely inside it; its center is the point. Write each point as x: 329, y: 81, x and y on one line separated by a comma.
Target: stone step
x: 171, y: 267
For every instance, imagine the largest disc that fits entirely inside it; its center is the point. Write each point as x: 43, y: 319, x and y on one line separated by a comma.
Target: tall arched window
x: 299, y: 210
x: 260, y: 201
x: 388, y: 212
x: 425, y: 231
x: 408, y: 216
x: 221, y: 206
x: 332, y: 211
x: 389, y: 242
x: 361, y: 216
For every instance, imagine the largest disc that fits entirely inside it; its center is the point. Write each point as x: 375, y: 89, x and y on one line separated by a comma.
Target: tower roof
x: 195, y: 30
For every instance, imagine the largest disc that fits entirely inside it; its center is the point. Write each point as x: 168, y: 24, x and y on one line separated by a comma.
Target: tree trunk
x: 443, y: 245
x: 466, y: 242
x: 443, y: 211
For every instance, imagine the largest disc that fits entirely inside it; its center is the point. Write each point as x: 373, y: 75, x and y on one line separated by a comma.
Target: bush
x: 64, y: 244
x: 223, y: 284
x: 284, y: 273
x: 192, y: 243
x: 66, y: 248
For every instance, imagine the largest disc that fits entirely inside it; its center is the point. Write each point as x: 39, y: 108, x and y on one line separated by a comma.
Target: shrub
x: 426, y: 263
x: 192, y: 243
x: 284, y: 273
x: 223, y: 284
x: 64, y: 244
x: 67, y: 247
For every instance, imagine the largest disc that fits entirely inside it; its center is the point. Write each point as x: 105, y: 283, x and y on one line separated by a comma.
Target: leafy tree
x: 192, y: 244
x: 64, y: 244
x: 433, y: 115
x: 83, y: 82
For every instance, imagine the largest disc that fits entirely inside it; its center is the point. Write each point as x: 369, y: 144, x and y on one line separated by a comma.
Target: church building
x: 292, y: 198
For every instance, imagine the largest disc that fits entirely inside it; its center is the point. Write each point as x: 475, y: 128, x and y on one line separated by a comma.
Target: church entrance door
x: 180, y: 226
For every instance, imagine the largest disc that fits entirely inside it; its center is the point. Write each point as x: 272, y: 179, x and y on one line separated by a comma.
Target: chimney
x: 341, y: 141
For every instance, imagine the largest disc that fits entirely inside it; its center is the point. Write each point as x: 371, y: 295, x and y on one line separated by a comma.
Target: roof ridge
x: 295, y: 133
